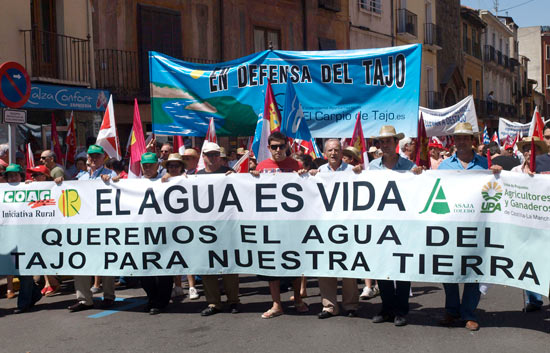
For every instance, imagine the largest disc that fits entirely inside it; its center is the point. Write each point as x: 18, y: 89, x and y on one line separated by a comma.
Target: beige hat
x: 222, y: 152
x: 173, y: 157
x: 241, y: 151
x: 373, y: 149
x: 527, y: 140
x: 464, y: 129
x: 388, y: 131
x: 352, y: 152
x: 211, y: 147
x: 191, y: 152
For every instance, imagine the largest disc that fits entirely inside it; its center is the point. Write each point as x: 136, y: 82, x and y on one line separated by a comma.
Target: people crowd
x: 389, y: 150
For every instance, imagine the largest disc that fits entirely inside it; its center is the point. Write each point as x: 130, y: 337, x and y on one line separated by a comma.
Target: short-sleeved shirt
x: 453, y: 163
x: 402, y: 164
x: 221, y: 170
x: 57, y: 171
x: 543, y: 163
x: 342, y: 168
x: 286, y: 166
x: 85, y: 175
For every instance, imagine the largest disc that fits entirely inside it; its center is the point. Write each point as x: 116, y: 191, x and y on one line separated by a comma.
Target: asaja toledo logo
x: 69, y: 202
x: 491, y: 193
x: 437, y: 203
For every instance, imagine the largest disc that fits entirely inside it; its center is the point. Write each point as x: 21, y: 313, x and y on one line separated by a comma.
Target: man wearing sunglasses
x: 279, y: 162
x: 49, y: 160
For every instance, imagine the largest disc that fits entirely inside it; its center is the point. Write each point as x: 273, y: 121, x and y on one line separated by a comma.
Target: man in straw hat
x: 465, y: 158
x: 395, y: 297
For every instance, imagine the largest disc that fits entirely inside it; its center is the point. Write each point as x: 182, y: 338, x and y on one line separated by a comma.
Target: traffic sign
x: 14, y: 116
x: 15, y: 85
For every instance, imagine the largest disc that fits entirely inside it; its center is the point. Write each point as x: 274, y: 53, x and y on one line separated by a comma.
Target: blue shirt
x: 453, y: 163
x: 343, y: 167
x: 85, y: 175
x: 402, y: 164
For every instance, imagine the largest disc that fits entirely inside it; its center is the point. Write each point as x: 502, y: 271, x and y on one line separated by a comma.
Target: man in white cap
x: 395, y: 296
x: 213, y: 164
x: 465, y: 158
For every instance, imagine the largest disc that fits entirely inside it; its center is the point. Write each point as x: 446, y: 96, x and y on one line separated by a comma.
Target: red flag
x: 179, y: 146
x: 71, y: 142
x: 537, y: 125
x: 29, y: 158
x: 56, y: 147
x: 489, y: 160
x: 271, y: 111
x: 358, y: 141
x: 422, y: 154
x: 108, y: 135
x: 137, y: 145
x: 241, y: 166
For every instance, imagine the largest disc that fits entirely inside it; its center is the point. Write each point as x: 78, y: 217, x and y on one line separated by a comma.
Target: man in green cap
x: 158, y: 288
x: 84, y: 295
x: 29, y: 292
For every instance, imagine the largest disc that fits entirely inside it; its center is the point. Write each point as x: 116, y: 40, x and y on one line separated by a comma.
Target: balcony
x: 505, y: 61
x: 432, y: 36
x: 406, y: 24
x: 330, y: 5
x: 118, y: 71
x: 499, y: 57
x: 57, y: 58
x: 490, y: 54
x: 433, y: 100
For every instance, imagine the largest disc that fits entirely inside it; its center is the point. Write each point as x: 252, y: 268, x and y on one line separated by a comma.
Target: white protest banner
x: 511, y: 128
x: 441, y: 226
x: 442, y: 122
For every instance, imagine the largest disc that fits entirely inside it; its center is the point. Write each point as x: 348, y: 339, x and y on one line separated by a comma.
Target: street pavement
x: 127, y: 328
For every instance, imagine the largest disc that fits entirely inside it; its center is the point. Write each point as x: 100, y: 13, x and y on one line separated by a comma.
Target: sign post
x: 15, y: 89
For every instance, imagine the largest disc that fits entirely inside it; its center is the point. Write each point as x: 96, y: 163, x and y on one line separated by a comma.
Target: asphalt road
x: 51, y: 328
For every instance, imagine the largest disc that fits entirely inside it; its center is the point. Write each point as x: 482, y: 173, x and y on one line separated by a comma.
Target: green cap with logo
x: 95, y: 149
x: 149, y: 158
x: 15, y: 168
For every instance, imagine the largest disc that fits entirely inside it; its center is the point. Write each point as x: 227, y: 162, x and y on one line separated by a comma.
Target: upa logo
x: 437, y: 203
x: 69, y: 202
x: 491, y: 193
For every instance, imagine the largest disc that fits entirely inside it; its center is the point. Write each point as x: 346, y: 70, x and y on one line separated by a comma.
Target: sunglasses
x: 277, y: 147
x: 173, y: 165
x: 42, y: 157
x: 547, y: 137
x: 212, y: 154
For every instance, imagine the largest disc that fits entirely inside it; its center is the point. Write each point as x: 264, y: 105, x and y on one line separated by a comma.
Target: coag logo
x: 20, y: 196
x: 69, y: 202
x: 437, y: 203
x: 491, y: 193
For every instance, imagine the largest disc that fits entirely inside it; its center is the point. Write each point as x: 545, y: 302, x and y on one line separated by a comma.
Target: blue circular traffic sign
x: 15, y: 85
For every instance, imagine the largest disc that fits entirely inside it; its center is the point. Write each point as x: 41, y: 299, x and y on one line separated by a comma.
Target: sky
x: 525, y: 13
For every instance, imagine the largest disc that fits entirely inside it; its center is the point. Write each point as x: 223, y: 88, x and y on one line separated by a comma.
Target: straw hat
x: 388, y: 131
x: 464, y: 129
x: 352, y: 152
x: 173, y: 157
x: 527, y: 141
x: 372, y: 149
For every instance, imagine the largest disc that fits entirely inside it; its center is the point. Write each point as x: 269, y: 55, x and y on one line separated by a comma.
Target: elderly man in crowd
x: 49, y: 159
x: 465, y: 158
x: 213, y: 164
x: 191, y: 159
x: 395, y: 296
x: 329, y: 285
x: 84, y: 296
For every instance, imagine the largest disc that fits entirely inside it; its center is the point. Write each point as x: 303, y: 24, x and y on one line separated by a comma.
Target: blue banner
x: 332, y: 87
x: 66, y: 98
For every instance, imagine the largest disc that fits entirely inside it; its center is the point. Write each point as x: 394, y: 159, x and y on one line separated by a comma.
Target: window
x: 548, y: 52
x: 465, y: 38
x: 263, y: 37
x: 470, y: 86
x: 327, y: 44
x: 478, y: 89
x: 547, y: 81
x: 374, y: 6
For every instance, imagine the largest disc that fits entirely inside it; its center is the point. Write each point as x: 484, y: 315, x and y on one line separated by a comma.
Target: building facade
x: 471, y: 29
x: 371, y: 24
